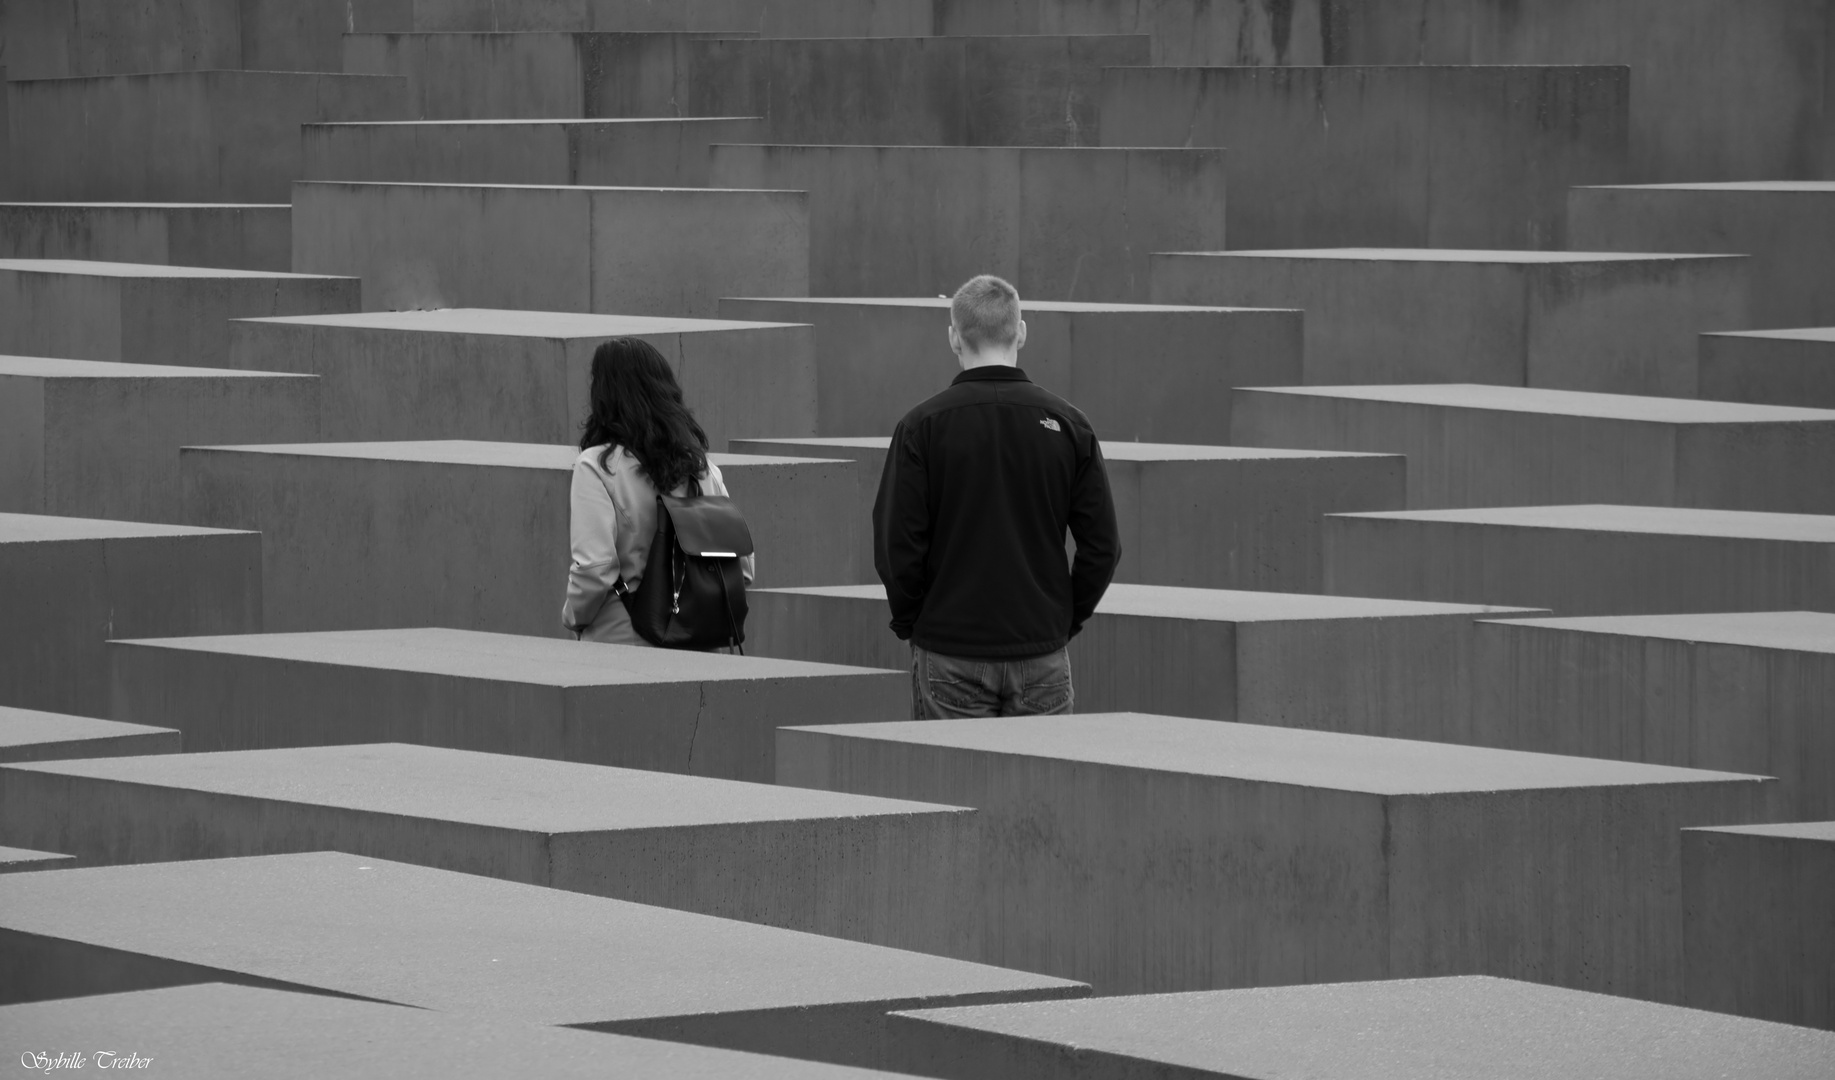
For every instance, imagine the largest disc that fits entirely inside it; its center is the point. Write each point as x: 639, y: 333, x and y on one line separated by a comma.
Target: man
x: 980, y: 483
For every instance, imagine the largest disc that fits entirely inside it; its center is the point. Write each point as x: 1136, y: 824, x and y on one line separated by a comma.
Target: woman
x: 639, y: 439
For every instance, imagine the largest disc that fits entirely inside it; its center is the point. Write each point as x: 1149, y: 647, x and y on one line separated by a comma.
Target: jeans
x: 947, y: 687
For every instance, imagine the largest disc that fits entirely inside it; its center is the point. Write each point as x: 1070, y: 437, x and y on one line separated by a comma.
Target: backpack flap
x: 709, y: 525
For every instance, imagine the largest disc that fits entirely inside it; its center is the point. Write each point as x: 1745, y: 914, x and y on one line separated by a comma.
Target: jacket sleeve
x: 594, y: 528
x: 1092, y: 525
x: 716, y: 485
x: 901, y: 530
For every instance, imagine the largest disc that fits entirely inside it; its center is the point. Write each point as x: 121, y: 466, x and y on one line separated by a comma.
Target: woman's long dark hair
x: 637, y: 404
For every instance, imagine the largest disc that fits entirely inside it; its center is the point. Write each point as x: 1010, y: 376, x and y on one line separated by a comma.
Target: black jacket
x: 968, y: 531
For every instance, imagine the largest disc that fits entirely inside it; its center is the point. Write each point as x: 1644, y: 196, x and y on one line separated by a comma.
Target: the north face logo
x: 1050, y: 423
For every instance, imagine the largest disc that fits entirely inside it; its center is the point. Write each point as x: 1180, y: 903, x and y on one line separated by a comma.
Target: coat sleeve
x: 1092, y: 526
x: 594, y: 528
x: 901, y: 529
x: 716, y: 485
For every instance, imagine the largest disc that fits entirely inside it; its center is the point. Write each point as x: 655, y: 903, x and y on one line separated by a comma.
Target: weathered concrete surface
x: 663, y: 152
x: 1386, y: 1030
x: 878, y: 870
x: 1588, y: 560
x: 72, y: 583
x: 1779, y: 367
x: 143, y: 313
x: 876, y: 358
x: 471, y: 535
x: 236, y: 236
x: 217, y: 1031
x: 1745, y: 692
x: 524, y: 376
x: 623, y: 251
x: 919, y: 221
x: 1473, y: 445
x: 22, y: 860
x: 869, y: 457
x: 28, y: 735
x: 1183, y: 31
x: 51, y: 411
x: 1788, y: 227
x: 1388, y: 668
x: 1423, y: 157
x: 769, y: 18
x: 191, y: 136
x: 1159, y: 853
x: 1714, y: 95
x: 1613, y: 323
x: 459, y: 943
x: 1757, y: 936
x: 630, y: 706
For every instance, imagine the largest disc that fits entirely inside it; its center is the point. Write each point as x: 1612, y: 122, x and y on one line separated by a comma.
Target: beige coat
x: 614, y: 519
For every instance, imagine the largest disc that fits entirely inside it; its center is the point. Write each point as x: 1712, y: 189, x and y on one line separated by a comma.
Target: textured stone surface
x: 1183, y: 31
x: 1779, y: 367
x: 30, y: 735
x: 769, y: 18
x: 238, y: 236
x: 22, y: 860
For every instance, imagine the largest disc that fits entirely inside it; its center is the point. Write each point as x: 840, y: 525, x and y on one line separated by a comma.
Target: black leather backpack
x: 692, y: 595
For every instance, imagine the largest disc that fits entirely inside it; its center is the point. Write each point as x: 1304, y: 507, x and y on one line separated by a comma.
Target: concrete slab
x: 29, y: 735
x: 458, y: 943
x: 1390, y: 668
x: 145, y: 313
x: 1779, y: 367
x: 1401, y: 1029
x: 1588, y: 560
x: 51, y: 461
x: 187, y: 136
x: 879, y: 870
x: 22, y: 860
x: 704, y: 714
x: 73, y: 583
x: 1788, y: 227
x: 1182, y: 31
x: 876, y: 358
x: 523, y: 376
x: 1473, y: 445
x: 1757, y: 937
x: 218, y: 1031
x: 237, y: 236
x: 768, y: 18
x: 624, y: 251
x: 471, y: 534
x: 655, y: 152
x: 1404, y: 156
x: 919, y: 221
x: 1255, y: 855
x: 1612, y: 323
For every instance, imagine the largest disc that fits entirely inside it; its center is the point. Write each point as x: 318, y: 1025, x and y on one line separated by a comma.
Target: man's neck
x: 989, y: 358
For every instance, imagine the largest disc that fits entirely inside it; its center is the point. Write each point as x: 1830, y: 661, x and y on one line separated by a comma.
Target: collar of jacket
x: 991, y: 372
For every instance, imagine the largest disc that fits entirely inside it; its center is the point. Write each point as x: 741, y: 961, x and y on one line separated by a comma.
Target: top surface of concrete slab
x: 529, y: 794
x: 1663, y: 520
x: 26, y: 727
x: 89, y: 268
x: 1274, y: 755
x: 1807, y: 333
x: 18, y: 856
x: 145, y: 206
x: 471, y: 654
x: 1792, y: 631
x: 1822, y: 832
x: 1786, y: 186
x: 1524, y: 399
x: 216, y: 1031
x: 463, y: 943
x: 598, y: 121
x: 41, y: 528
x: 1117, y: 451
x: 49, y: 367
x: 1413, y: 1029
x: 941, y: 303
x: 1458, y: 255
x: 1221, y: 605
x: 579, y: 188
x: 473, y: 452
x: 492, y: 322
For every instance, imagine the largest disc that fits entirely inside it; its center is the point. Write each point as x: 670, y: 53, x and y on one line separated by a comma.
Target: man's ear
x: 955, y: 340
x: 1019, y: 339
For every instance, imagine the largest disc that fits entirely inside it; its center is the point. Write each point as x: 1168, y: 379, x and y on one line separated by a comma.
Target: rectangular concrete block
x: 919, y: 221
x: 221, y: 1031
x: 1777, y: 367
x: 524, y: 376
x: 1745, y: 692
x: 1182, y: 31
x: 878, y: 870
x: 24, y: 860
x: 1144, y: 853
x: 1405, y: 156
x: 622, y: 251
x: 1387, y: 668
x: 29, y: 735
x: 1396, y: 1029
x: 1612, y: 323
x: 1588, y: 560
x: 1474, y: 445
x: 51, y: 412
x: 1757, y: 936
x: 472, y: 535
x: 768, y: 18
x: 630, y: 706
x: 203, y: 136
x: 144, y: 313
x: 236, y: 236
x: 359, y: 926
x: 73, y: 583
x: 658, y: 152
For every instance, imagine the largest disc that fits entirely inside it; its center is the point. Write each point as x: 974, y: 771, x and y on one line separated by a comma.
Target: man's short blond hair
x: 985, y: 312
